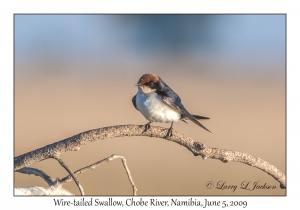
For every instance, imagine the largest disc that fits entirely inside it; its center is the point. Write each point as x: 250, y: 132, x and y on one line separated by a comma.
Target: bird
x: 157, y: 102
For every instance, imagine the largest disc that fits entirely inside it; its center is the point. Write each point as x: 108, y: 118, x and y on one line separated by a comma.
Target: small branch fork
x: 94, y: 165
x: 70, y: 172
x: 197, y: 148
x: 60, y: 182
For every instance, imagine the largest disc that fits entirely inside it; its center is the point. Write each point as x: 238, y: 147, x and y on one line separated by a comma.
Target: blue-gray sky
x: 109, y: 38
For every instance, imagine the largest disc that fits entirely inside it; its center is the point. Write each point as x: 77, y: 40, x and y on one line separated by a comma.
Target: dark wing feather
x: 171, y: 103
x: 186, y: 115
x: 174, y: 101
x: 184, y: 118
x: 134, y: 102
x: 169, y: 97
x: 198, y: 117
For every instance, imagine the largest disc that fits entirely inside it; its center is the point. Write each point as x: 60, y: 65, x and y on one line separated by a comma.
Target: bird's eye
x: 151, y: 83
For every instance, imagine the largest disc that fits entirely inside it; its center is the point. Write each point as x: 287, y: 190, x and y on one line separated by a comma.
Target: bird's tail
x: 193, y: 118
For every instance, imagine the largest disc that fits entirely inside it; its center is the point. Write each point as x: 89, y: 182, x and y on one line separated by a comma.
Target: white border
x: 8, y: 8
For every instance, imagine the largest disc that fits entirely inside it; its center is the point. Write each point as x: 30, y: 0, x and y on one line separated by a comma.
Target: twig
x: 197, y: 148
x: 59, y: 182
x: 37, y: 172
x: 94, y: 165
x: 70, y: 172
x: 128, y: 174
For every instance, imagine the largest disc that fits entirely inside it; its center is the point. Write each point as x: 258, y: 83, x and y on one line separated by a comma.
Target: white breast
x: 154, y: 109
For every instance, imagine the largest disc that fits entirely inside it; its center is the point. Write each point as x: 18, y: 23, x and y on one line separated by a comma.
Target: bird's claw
x: 169, y: 134
x: 147, y: 127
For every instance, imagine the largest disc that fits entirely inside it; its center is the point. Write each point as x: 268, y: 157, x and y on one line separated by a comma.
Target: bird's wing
x: 174, y: 101
x: 170, y: 98
x: 171, y: 103
x: 134, y: 102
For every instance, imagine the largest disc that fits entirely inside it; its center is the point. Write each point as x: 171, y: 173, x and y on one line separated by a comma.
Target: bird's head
x: 148, y: 83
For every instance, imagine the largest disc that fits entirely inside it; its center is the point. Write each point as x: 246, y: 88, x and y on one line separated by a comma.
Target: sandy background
x: 56, y: 99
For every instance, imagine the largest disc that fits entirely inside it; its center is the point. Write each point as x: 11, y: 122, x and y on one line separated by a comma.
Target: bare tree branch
x: 94, y: 165
x: 52, y: 190
x: 128, y: 174
x: 56, y: 185
x: 197, y: 148
x: 37, y: 172
x: 70, y: 172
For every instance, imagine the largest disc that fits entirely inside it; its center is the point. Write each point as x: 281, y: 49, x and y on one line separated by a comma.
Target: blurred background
x: 77, y: 72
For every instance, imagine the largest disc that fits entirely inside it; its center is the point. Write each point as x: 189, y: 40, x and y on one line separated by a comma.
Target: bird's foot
x: 169, y: 134
x: 147, y: 127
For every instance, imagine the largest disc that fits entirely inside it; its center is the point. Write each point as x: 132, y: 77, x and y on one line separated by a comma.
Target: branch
x: 42, y: 191
x: 56, y: 185
x: 94, y: 165
x: 197, y: 148
x: 70, y: 172
x: 37, y: 172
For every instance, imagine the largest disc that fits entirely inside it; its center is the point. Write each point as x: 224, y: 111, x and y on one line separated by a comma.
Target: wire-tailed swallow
x: 159, y: 103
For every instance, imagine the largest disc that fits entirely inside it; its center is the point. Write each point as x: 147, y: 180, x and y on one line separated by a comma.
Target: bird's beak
x: 139, y: 84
